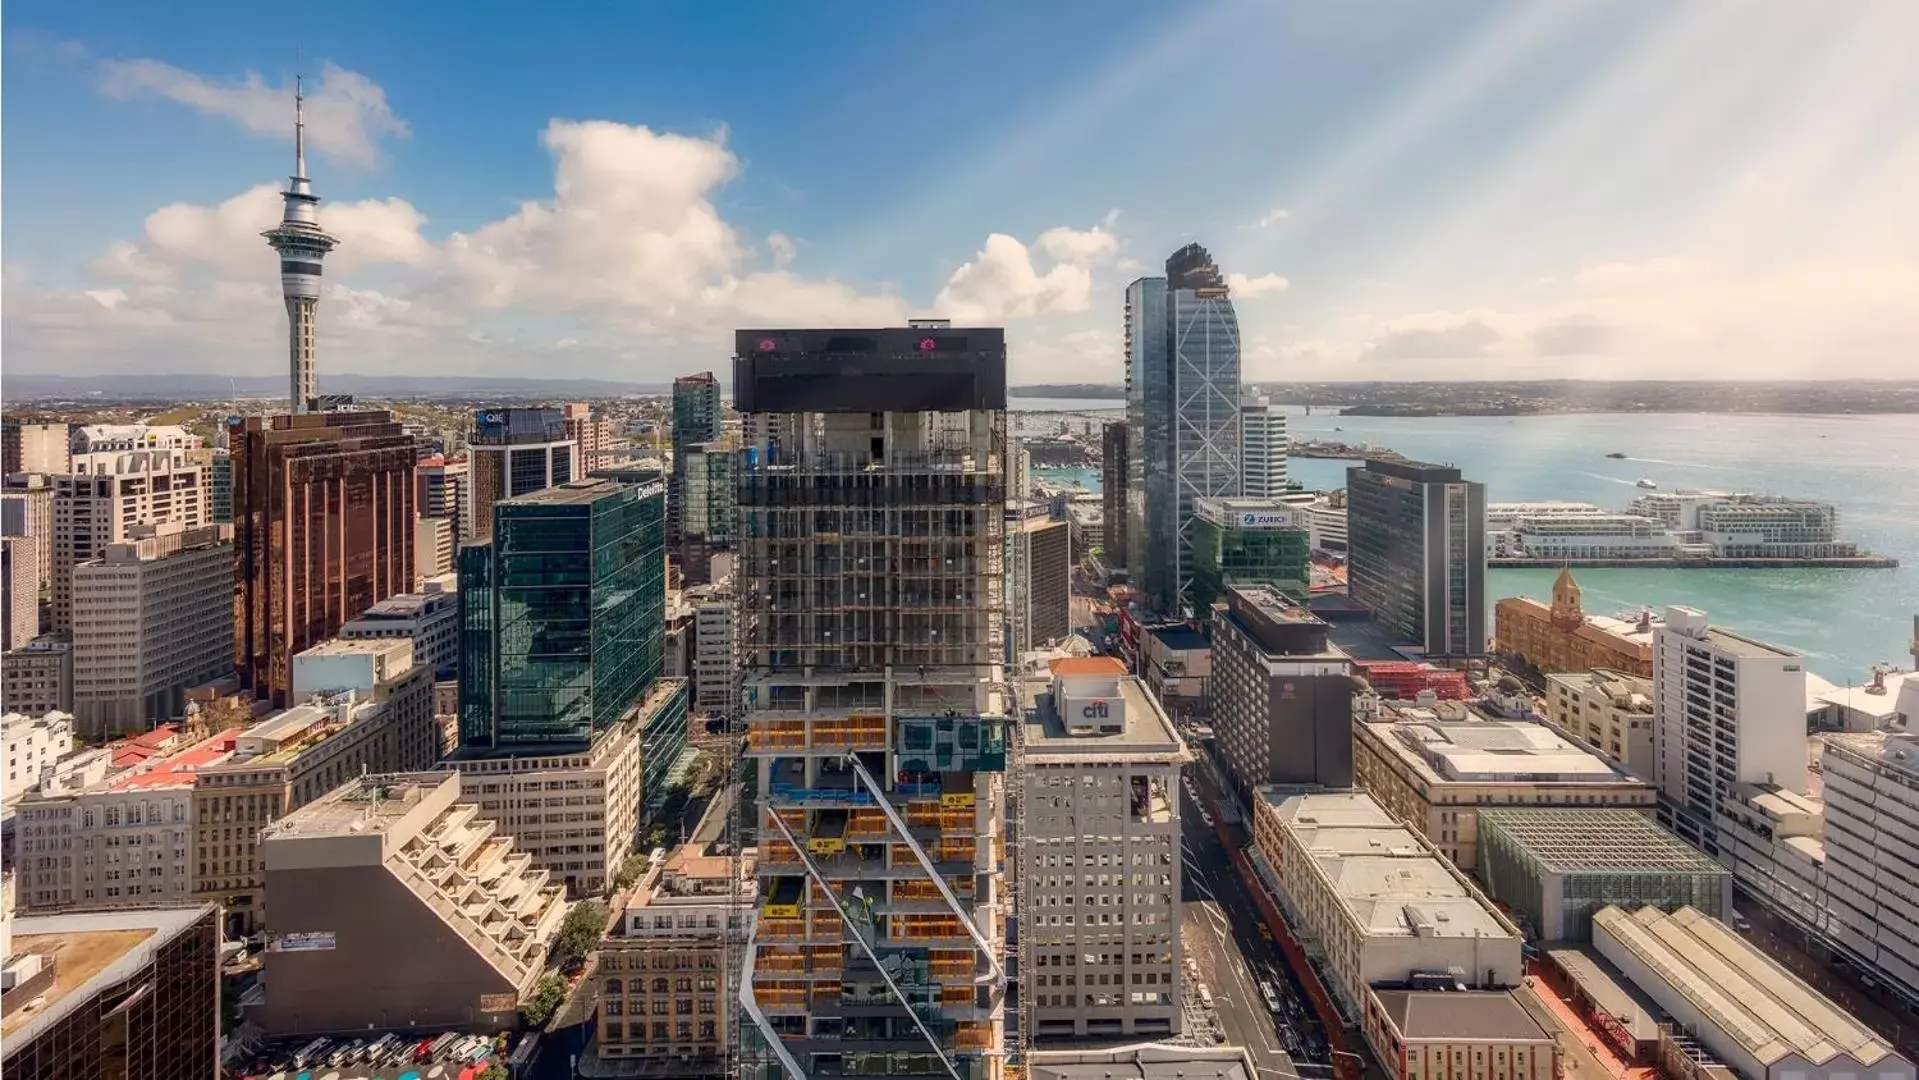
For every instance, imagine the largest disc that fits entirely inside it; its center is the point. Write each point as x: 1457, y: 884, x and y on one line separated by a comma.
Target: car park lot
x: 393, y: 1056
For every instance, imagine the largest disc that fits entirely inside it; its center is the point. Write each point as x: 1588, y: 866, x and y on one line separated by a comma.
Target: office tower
x: 400, y: 874
x: 26, y: 509
x: 697, y: 418
x: 1042, y: 582
x: 33, y: 448
x: 1249, y: 542
x: 716, y: 652
x: 1262, y: 448
x: 365, y: 707
x: 1115, y: 462
x: 429, y: 619
x: 20, y: 579
x: 37, y: 678
x: 116, y: 490
x: 1100, y: 791
x: 1182, y: 406
x: 1282, y: 695
x: 126, y: 994
x: 514, y: 452
x: 708, y: 516
x: 322, y: 530
x: 218, y: 466
x: 152, y: 617
x: 302, y: 246
x: 444, y: 494
x: 870, y: 644
x: 1727, y: 711
x: 1417, y: 540
x: 433, y: 548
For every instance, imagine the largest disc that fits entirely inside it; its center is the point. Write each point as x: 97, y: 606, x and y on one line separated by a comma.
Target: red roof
x: 180, y: 768
x: 1089, y: 665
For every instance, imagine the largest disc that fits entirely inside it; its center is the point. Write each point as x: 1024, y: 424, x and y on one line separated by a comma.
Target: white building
x: 716, y: 653
x: 1587, y: 536
x: 430, y: 619
x: 1325, y: 514
x: 1100, y: 877
x: 1610, y: 711
x: 1728, y: 710
x: 152, y: 617
x: 433, y: 548
x: 34, y: 743
x: 1380, y: 904
x: 1872, y: 854
x: 89, y: 439
x: 1262, y: 428
x: 1748, y: 1009
x: 94, y: 509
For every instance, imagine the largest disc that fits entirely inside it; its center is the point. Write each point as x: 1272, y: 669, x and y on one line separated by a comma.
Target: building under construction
x: 871, y: 627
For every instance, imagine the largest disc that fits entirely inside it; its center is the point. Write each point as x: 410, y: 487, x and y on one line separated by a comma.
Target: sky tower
x: 302, y: 244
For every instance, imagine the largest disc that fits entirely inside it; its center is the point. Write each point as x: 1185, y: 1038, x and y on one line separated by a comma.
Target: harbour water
x: 1868, y: 466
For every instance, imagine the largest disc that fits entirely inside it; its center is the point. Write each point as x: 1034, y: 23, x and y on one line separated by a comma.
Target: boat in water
x: 1617, y: 456
x: 1647, y: 484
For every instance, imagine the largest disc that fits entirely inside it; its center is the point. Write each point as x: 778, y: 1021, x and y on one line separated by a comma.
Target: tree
x: 546, y: 1000
x: 630, y: 870
x: 580, y: 934
x: 495, y: 1071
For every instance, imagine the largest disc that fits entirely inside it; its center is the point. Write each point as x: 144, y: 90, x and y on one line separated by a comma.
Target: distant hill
x: 1070, y: 390
x: 15, y: 386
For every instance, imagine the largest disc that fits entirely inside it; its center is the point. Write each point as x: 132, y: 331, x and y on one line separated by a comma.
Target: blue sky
x: 1401, y: 189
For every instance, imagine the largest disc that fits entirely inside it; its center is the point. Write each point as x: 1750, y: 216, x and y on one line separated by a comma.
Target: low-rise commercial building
x: 1435, y: 767
x: 430, y: 619
x: 1100, y: 886
x: 1283, y: 706
x: 34, y: 743
x: 396, y: 905
x: 1748, y: 1009
x: 1610, y: 711
x: 1177, y: 663
x: 1554, y: 867
x: 1563, y: 637
x: 1466, y: 1034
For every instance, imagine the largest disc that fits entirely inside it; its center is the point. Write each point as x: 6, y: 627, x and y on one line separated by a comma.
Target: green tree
x: 546, y: 1000
x: 630, y: 870
x: 580, y: 934
x: 495, y: 1071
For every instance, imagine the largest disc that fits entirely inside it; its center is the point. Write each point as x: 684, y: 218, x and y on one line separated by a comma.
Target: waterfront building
x: 34, y: 448
x: 1436, y: 766
x: 665, y: 992
x: 1262, y: 448
x: 1748, y: 1009
x: 1248, y: 542
x: 1100, y: 789
x: 19, y: 591
x: 1728, y: 711
x: 152, y: 617
x: 119, y: 490
x: 1871, y: 789
x: 429, y: 619
x: 302, y: 245
x: 1588, y: 537
x: 398, y: 874
x: 1564, y: 638
x: 114, y: 994
x: 1554, y: 867
x: 443, y: 493
x: 514, y: 452
x: 37, y: 678
x: 1115, y: 465
x: 26, y: 509
x: 1417, y: 539
x: 697, y: 418
x: 872, y: 522
x: 1738, y: 525
x: 1182, y: 409
x: 1420, y: 1033
x: 1041, y: 582
x: 1378, y: 906
x: 1610, y: 711
x: 322, y: 529
x: 1283, y: 695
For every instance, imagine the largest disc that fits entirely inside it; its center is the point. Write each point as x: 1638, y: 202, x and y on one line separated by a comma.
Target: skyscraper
x: 1182, y: 406
x: 302, y: 245
x: 444, y: 493
x: 1416, y: 536
x: 870, y: 626
x: 1262, y: 448
x: 114, y: 491
x: 516, y: 452
x: 697, y: 418
x: 322, y: 530
x: 1114, y: 474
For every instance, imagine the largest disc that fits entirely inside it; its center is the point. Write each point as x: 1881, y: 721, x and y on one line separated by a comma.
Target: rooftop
x: 1582, y: 840
x: 1460, y: 1016
x: 1179, y: 636
x: 1088, y: 665
x: 1755, y: 1000
x: 368, y: 805
x: 1329, y: 809
x: 1894, y: 750
x: 90, y: 953
x: 571, y: 493
x: 1146, y: 731
x: 1462, y: 746
x: 180, y: 769
x: 1609, y: 987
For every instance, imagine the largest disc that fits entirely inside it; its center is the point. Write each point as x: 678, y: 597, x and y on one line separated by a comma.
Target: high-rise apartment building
x: 514, y: 452
x: 322, y: 530
x: 444, y: 493
x: 19, y: 591
x: 1182, y: 409
x: 871, y: 623
x: 1262, y: 448
x: 1100, y: 873
x: 118, y: 490
x: 1727, y: 711
x: 152, y: 617
x: 1115, y: 461
x: 33, y: 448
x: 594, y: 436
x: 433, y: 548
x: 697, y: 418
x: 1416, y: 535
x: 1282, y: 695
x: 26, y: 509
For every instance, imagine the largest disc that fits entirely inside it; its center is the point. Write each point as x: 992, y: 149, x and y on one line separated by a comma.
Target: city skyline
x: 1476, y: 190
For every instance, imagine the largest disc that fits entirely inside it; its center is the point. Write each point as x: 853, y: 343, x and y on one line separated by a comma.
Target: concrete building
x: 1100, y: 885
x: 1610, y: 711
x: 95, y: 509
x: 1748, y: 1009
x: 34, y: 448
x: 443, y: 493
x: 870, y: 654
x: 26, y: 509
x: 1872, y: 853
x: 1555, y: 867
x: 122, y: 843
x: 716, y: 652
x: 1434, y: 767
x: 1086, y: 521
x: 1042, y: 586
x: 1379, y: 906
x: 1283, y: 695
x: 116, y: 994
x: 430, y: 619
x: 37, y: 678
x: 88, y: 441
x: 1563, y: 638
x: 365, y: 707
x: 1248, y: 542
x: 1728, y: 711
x: 1263, y: 446
x: 1176, y: 661
x: 34, y: 743
x: 152, y: 617
x: 1114, y: 477
x: 514, y: 452
x: 1417, y: 539
x: 397, y: 905
x: 665, y: 990
x: 433, y: 548
x: 597, y: 439
x: 1466, y: 1034
x: 217, y: 462
x: 19, y: 591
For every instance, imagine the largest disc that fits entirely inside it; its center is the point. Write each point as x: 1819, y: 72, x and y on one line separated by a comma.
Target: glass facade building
x: 1556, y: 867
x: 1416, y: 547
x: 1249, y: 542
x: 562, y: 614
x: 516, y: 452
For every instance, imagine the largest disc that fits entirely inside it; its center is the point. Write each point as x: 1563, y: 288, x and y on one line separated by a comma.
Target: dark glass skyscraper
x: 1114, y: 478
x: 1416, y: 539
x: 697, y: 419
x: 562, y: 614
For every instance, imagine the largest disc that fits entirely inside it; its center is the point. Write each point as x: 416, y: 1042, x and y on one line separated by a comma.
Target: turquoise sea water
x: 1844, y: 620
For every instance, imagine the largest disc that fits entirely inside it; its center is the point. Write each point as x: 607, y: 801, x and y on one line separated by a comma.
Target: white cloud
x: 1249, y: 288
x: 1273, y: 217
x: 347, y: 114
x: 1003, y: 281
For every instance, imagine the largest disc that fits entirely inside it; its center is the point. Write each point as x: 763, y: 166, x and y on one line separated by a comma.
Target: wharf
x: 1854, y: 562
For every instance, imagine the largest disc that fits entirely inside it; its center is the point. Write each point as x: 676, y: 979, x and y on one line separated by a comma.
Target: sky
x: 1397, y: 189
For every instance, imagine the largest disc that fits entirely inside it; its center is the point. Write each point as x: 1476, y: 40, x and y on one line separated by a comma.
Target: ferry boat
x: 1647, y: 484
x: 1617, y: 456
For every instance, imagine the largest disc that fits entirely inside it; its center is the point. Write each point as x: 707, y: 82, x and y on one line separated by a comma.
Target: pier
x: 1852, y: 562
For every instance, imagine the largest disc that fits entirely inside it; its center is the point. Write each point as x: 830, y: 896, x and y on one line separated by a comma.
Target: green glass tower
x: 562, y: 617
x: 1249, y: 542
